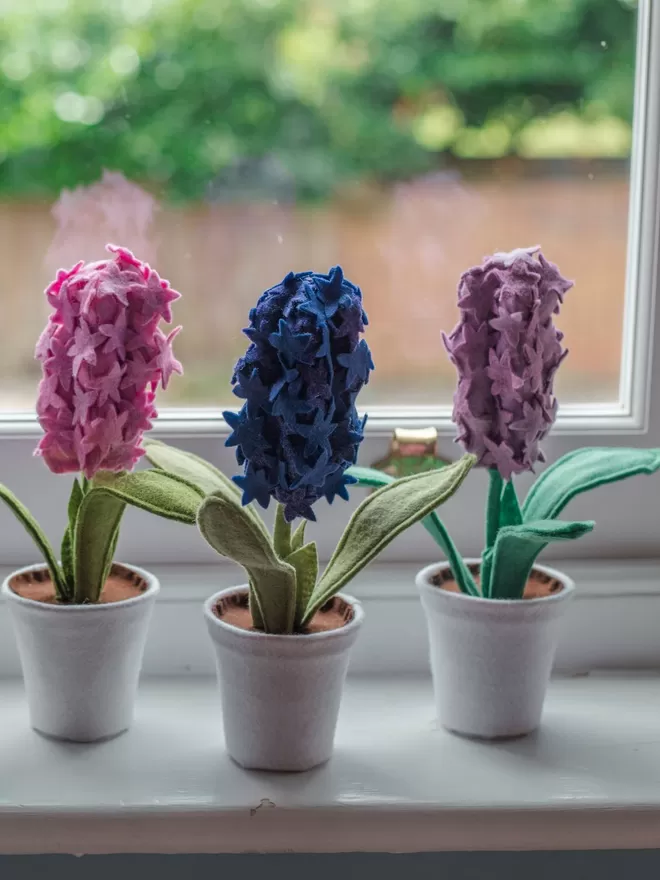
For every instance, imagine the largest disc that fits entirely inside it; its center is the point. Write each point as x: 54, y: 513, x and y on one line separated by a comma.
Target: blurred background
x: 229, y: 141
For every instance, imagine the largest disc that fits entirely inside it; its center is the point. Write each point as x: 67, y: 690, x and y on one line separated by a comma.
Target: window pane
x: 229, y: 141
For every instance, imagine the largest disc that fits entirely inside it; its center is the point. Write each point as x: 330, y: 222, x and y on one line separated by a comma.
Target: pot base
x: 106, y: 737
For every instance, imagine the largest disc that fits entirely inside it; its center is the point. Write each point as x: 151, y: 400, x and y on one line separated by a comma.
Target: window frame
x: 634, y: 420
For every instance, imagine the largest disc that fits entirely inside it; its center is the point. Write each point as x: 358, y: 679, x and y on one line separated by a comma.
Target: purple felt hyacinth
x: 506, y: 350
x: 299, y: 430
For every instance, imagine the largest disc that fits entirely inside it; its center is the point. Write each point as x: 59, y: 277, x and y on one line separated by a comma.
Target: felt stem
x: 281, y: 533
x: 35, y: 531
x: 492, y: 526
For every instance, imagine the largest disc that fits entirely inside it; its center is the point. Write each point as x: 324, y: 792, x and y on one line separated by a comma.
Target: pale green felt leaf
x: 380, y: 518
x: 298, y: 537
x: 517, y: 547
x: 255, y: 610
x: 97, y: 523
x: 227, y: 527
x: 582, y: 470
x: 305, y: 560
x: 433, y: 525
x: 155, y: 491
x: 35, y: 531
x: 281, y: 533
x: 197, y: 471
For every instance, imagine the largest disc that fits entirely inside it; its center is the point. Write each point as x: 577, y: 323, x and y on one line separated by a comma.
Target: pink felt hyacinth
x: 103, y: 357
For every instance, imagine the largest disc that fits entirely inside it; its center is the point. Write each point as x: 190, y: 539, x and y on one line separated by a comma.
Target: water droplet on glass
x: 590, y: 176
x: 603, y: 43
x: 279, y: 239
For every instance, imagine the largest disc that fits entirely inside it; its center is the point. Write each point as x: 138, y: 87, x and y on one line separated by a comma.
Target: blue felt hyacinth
x: 298, y: 430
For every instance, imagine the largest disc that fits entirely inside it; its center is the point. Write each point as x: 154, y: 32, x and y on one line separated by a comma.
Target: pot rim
x: 423, y: 583
x: 283, y: 638
x: 153, y: 588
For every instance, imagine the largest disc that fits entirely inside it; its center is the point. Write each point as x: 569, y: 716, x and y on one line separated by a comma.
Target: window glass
x: 229, y: 141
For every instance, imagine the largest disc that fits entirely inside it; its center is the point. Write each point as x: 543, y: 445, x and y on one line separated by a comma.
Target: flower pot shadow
x: 590, y: 762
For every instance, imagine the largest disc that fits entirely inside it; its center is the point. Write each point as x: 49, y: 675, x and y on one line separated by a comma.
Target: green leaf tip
x: 380, y: 518
x: 582, y: 470
x: 233, y: 533
x: 517, y: 547
x: 156, y: 491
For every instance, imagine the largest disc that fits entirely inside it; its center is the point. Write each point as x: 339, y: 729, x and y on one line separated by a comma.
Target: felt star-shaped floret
x: 358, y: 363
x: 255, y: 486
x: 165, y: 360
x: 317, y: 433
x: 293, y: 346
x: 83, y: 346
x: 337, y: 485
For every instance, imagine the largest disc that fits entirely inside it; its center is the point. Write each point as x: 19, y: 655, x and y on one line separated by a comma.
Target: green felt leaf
x: 298, y: 537
x: 517, y: 547
x: 231, y: 532
x: 94, y: 538
x: 305, y: 560
x: 582, y: 470
x: 66, y: 553
x: 155, y: 491
x: 380, y: 518
x: 510, y: 513
x: 281, y: 533
x: 35, y: 531
x: 197, y: 471
x: 433, y: 525
x: 462, y: 574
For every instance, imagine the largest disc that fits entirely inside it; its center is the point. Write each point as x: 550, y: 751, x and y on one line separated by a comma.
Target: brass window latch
x: 412, y: 451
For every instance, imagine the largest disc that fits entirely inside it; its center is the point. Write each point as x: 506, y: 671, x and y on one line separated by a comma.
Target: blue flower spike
x: 299, y: 430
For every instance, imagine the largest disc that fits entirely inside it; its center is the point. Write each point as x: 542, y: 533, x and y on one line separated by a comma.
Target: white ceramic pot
x: 81, y: 663
x: 280, y: 693
x: 491, y: 658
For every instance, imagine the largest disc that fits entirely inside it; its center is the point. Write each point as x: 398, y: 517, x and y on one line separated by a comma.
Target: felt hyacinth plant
x: 296, y: 435
x: 506, y: 350
x: 102, y: 355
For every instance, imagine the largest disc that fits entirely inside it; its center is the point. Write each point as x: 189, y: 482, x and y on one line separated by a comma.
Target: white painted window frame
x: 628, y: 514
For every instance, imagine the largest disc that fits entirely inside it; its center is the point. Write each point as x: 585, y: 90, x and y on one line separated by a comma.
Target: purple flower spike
x: 298, y: 430
x: 103, y: 356
x: 506, y: 350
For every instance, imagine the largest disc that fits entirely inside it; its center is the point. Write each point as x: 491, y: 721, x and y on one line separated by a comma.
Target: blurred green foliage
x: 294, y: 98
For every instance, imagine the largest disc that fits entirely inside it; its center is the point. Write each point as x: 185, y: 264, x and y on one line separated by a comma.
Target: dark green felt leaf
x: 35, y: 531
x: 582, y: 470
x: 380, y: 518
x: 517, y: 547
x: 231, y: 532
x: 433, y: 525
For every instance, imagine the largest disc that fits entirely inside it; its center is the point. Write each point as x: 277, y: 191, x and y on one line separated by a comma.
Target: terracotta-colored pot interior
x: 235, y: 610
x: 38, y: 586
x: 538, y: 585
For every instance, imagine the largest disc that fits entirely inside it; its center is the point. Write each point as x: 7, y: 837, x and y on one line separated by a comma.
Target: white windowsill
x: 589, y: 779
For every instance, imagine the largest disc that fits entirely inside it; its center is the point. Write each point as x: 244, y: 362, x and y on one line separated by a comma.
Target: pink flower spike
x: 102, y: 358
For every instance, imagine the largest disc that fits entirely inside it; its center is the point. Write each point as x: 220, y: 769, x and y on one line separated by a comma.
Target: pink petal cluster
x: 103, y: 356
x: 506, y: 350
